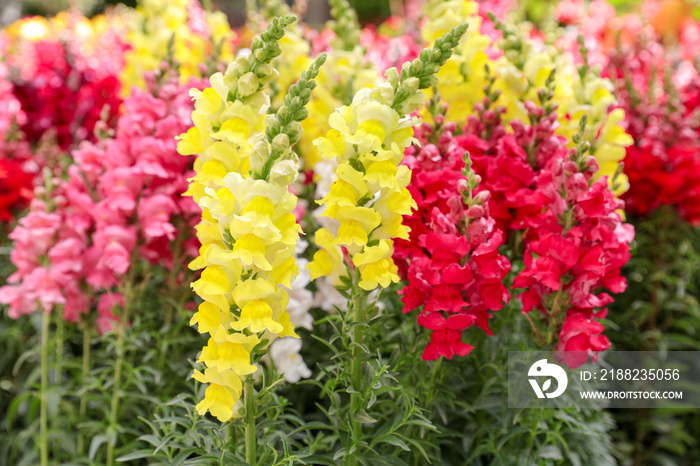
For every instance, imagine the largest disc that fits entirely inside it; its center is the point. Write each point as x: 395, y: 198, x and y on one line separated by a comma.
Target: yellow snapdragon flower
x: 344, y: 74
x: 180, y: 30
x: 368, y: 199
x: 248, y: 233
x: 368, y: 139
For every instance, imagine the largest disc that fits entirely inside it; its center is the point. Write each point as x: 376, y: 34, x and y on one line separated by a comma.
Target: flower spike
x: 369, y: 197
x: 248, y: 233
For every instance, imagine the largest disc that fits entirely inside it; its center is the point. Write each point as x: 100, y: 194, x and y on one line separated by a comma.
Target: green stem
x: 357, y: 336
x: 357, y: 357
x: 250, y: 434
x: 174, y: 292
x: 121, y: 331
x: 87, y: 342
x: 43, y: 432
x: 59, y: 345
x: 554, y: 317
x: 173, y: 289
x: 229, y: 444
x: 436, y: 371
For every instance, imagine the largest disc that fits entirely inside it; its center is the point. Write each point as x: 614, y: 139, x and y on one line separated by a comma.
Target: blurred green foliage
x: 659, y: 311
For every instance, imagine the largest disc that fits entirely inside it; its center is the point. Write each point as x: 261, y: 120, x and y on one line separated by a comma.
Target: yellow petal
x: 213, y: 281
x: 191, y: 142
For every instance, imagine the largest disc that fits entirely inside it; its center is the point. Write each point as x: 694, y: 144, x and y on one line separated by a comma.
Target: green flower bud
x: 264, y: 70
x: 248, y: 84
x: 301, y: 114
x: 422, y: 70
x: 260, y: 55
x: 259, y: 155
x: 294, y: 130
x: 272, y: 123
x: 280, y: 143
x: 412, y: 84
x: 416, y: 67
x: 240, y: 66
x: 392, y: 77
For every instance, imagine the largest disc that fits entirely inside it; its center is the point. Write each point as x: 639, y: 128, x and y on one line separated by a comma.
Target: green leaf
x: 14, y: 407
x: 135, y: 455
x: 363, y: 417
x: 183, y: 456
x: 96, y: 443
x: 372, y: 400
x: 339, y: 454
x: 397, y: 442
x: 152, y: 439
x: 551, y: 452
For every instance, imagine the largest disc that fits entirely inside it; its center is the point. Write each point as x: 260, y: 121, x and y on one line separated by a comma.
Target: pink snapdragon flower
x: 120, y: 203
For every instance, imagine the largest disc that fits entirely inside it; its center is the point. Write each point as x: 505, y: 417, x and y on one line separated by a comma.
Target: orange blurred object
x: 670, y: 17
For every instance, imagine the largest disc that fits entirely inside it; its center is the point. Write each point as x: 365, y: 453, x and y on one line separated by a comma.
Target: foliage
x: 661, y: 313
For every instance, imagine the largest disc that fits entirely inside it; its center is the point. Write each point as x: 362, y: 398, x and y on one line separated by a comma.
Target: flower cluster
x: 369, y: 197
x: 36, y: 238
x: 657, y: 24
x: 530, y: 189
x: 454, y: 269
x: 180, y: 32
x: 574, y: 240
x: 120, y: 201
x: 16, y: 188
x: 15, y: 184
x: 521, y: 66
x: 248, y: 231
x: 663, y: 164
x: 133, y: 180
x: 387, y: 46
x: 10, y: 108
x: 64, y: 74
x: 58, y: 80
x: 579, y: 251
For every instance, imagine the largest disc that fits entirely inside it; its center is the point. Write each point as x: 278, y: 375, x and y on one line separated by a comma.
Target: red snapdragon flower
x: 662, y: 116
x: 542, y: 196
x: 451, y: 258
x: 15, y: 189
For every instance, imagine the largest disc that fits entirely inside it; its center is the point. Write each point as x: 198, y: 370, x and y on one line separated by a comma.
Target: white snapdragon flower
x: 285, y: 355
x: 325, y: 171
x: 301, y: 299
x: 327, y: 297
